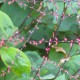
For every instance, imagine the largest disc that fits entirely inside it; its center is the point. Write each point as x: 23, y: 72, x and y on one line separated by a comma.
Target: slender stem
x: 39, y: 68
x: 64, y: 62
x: 27, y: 17
x: 5, y: 77
x: 75, y: 73
x: 64, y: 10
x: 55, y: 34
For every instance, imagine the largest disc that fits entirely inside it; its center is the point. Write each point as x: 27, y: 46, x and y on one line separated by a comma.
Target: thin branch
x: 27, y: 17
x: 64, y: 62
x: 75, y: 73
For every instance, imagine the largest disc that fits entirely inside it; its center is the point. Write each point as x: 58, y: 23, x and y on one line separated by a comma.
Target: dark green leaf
x: 67, y: 23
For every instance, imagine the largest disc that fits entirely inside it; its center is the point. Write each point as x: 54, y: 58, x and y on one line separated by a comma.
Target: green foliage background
x: 15, y: 17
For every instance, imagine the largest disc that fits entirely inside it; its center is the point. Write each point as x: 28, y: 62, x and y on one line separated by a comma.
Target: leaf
x: 11, y: 76
x: 62, y: 77
x: 47, y: 71
x: 72, y: 9
x: 49, y: 76
x: 48, y: 20
x: 55, y: 56
x: 1, y: 1
x: 60, y: 7
x: 24, y: 78
x: 18, y: 17
x: 67, y: 23
x: 21, y: 62
x: 59, y: 49
x: 6, y: 26
x: 66, y: 47
x: 35, y: 59
x: 51, y: 5
x: 73, y: 64
x: 76, y: 59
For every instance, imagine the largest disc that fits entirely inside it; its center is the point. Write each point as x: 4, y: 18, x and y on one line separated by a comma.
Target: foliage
x: 39, y: 40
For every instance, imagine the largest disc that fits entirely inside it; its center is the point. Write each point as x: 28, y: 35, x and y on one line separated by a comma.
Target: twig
x: 27, y: 17
x: 75, y: 73
x: 64, y: 62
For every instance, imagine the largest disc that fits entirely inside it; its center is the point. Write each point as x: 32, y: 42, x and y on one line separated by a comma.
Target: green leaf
x: 21, y: 62
x: 60, y: 7
x: 47, y: 71
x: 66, y: 47
x: 51, y: 5
x: 73, y: 64
x: 76, y: 59
x: 49, y: 76
x: 11, y: 76
x: 16, y: 13
x: 6, y: 26
x: 1, y: 1
x: 24, y: 78
x: 48, y: 20
x: 67, y: 23
x: 35, y: 59
x: 55, y: 56
x: 62, y: 77
x: 72, y: 9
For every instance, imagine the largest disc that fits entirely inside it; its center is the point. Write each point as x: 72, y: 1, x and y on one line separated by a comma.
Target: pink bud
x: 40, y: 42
x: 38, y: 74
x: 15, y: 43
x: 71, y: 43
x: 9, y: 3
x: 20, y: 40
x: 47, y: 49
x: 10, y: 38
x: 65, y: 39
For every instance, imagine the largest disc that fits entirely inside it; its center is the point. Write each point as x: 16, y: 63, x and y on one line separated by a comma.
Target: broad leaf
x: 16, y: 13
x: 73, y: 64
x: 62, y: 52
x: 51, y: 5
x: 6, y: 26
x: 47, y: 71
x: 67, y: 23
x: 56, y: 56
x: 62, y: 77
x: 21, y: 62
x: 72, y: 8
x: 66, y: 47
x: 49, y: 76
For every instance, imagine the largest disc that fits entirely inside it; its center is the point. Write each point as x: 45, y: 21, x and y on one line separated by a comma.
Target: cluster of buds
x: 16, y: 40
x: 37, y: 42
